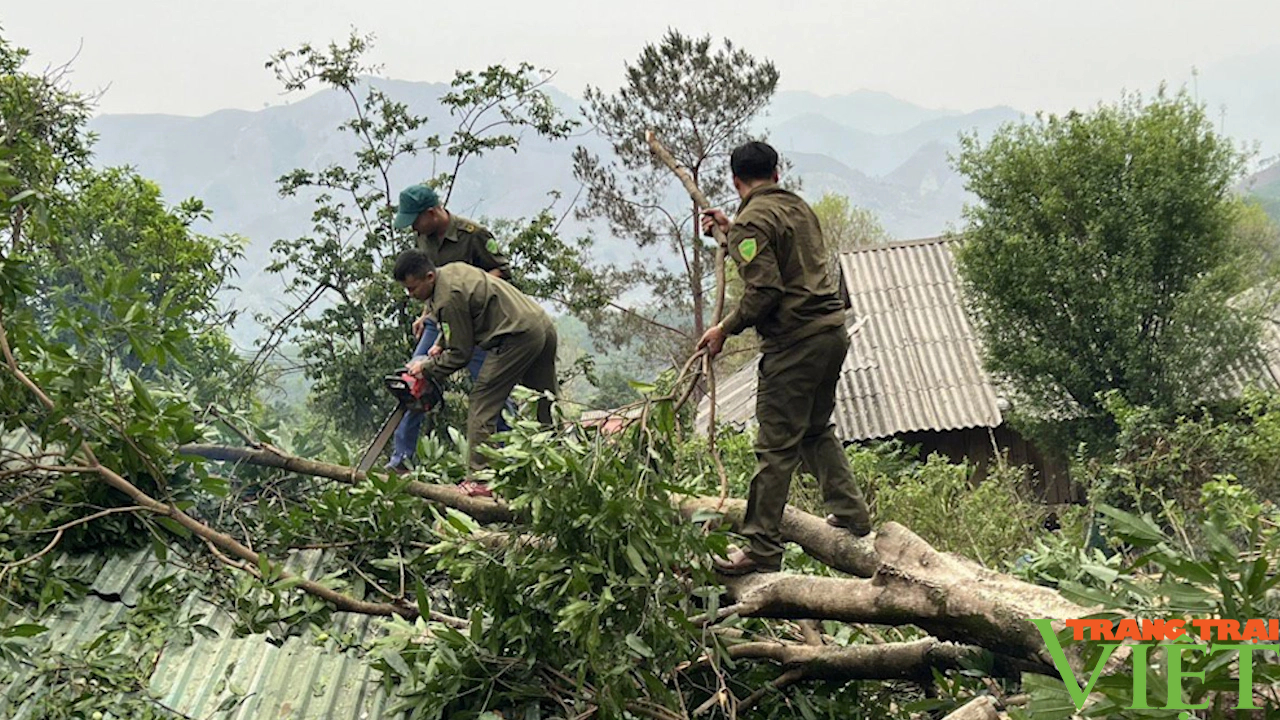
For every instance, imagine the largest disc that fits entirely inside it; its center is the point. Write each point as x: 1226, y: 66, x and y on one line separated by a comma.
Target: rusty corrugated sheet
x: 914, y: 362
x: 299, y: 679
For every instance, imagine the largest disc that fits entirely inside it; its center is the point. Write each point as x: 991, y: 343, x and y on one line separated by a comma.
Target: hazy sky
x: 187, y: 57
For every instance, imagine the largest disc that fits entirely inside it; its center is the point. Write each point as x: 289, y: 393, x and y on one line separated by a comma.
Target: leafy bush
x: 1159, y: 466
x: 593, y: 611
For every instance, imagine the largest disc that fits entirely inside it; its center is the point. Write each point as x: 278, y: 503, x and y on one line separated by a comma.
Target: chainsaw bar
x: 388, y: 429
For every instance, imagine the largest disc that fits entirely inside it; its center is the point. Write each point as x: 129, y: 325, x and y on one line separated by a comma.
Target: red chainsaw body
x: 414, y: 392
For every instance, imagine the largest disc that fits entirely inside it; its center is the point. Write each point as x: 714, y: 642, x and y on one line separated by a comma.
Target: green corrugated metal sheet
x: 294, y: 681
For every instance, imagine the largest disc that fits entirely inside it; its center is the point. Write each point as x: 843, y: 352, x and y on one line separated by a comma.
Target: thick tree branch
x: 896, y: 661
x: 481, y: 509
x: 835, y: 548
x: 946, y: 595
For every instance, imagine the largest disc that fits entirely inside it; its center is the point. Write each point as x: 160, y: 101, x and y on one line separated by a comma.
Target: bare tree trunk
x: 699, y: 324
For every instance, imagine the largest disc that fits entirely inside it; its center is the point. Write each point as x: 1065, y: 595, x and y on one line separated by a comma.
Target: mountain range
x: 884, y: 153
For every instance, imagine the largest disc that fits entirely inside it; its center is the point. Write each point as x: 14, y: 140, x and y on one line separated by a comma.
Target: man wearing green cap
x: 476, y: 309
x: 444, y: 238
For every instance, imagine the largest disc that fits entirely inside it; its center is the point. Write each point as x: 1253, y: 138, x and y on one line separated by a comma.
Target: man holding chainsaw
x: 793, y: 301
x: 475, y: 309
x: 445, y: 238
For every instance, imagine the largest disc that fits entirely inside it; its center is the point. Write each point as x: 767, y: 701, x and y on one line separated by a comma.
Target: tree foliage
x: 592, y: 613
x: 1101, y: 255
x: 846, y: 226
x: 699, y: 99
x: 351, y: 320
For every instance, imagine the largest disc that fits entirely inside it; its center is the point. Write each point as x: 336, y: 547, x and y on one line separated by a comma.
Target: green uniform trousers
x: 527, y: 358
x: 795, y: 397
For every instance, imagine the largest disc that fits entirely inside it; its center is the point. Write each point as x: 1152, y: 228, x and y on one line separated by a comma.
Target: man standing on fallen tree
x: 476, y: 309
x: 445, y: 238
x: 792, y: 300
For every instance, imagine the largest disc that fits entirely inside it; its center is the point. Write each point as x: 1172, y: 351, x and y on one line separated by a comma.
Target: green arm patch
x: 492, y: 246
x: 747, y: 248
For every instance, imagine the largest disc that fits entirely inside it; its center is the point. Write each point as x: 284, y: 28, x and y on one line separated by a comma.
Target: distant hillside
x: 1265, y: 186
x: 884, y: 153
x: 880, y: 154
x: 866, y: 111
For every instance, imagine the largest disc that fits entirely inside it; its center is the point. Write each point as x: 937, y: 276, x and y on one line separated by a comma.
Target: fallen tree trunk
x: 902, y: 579
x: 837, y: 549
x: 947, y: 596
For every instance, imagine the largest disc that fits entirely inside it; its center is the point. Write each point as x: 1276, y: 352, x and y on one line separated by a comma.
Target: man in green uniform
x: 475, y: 309
x: 792, y: 300
x: 445, y: 238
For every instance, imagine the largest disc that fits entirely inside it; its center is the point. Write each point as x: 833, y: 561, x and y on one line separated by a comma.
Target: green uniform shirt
x: 466, y: 242
x: 790, y: 292
x: 475, y: 308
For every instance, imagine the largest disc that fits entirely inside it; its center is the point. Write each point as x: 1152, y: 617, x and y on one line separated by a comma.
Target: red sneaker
x: 472, y: 488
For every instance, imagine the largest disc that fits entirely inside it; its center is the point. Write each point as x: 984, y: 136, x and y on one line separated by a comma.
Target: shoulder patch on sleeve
x: 747, y: 248
x: 445, y: 331
x: 492, y: 246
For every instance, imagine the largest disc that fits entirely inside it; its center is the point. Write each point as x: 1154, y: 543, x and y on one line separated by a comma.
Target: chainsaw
x: 413, y: 393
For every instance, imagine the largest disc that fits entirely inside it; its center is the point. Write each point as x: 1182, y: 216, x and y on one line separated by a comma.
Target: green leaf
x: 638, y: 646
x: 1106, y: 574
x: 24, y: 630
x: 642, y: 387
x: 174, y: 527
x: 141, y: 392
x: 705, y: 515
x: 633, y: 557
x: 1131, y: 527
x: 397, y: 663
x: 1083, y: 595
x: 462, y: 523
x: 423, y: 600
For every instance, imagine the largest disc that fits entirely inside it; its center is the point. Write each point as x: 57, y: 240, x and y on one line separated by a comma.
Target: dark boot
x: 741, y: 563
x: 860, y: 527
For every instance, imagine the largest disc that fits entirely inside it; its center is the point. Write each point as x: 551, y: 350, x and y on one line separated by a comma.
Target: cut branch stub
x: 979, y: 708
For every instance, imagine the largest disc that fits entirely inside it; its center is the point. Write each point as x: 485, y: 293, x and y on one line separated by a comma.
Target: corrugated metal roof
x: 297, y: 679
x: 914, y: 362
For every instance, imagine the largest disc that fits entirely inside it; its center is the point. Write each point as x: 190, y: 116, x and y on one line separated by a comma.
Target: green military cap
x: 413, y: 200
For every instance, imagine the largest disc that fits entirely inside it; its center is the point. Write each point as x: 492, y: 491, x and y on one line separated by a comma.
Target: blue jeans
x: 406, y: 437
